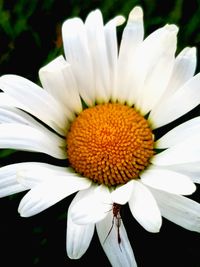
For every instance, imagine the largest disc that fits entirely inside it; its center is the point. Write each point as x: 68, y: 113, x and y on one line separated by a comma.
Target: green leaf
x: 6, y: 152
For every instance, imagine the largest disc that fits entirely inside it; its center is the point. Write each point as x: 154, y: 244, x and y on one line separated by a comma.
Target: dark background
x: 29, y: 38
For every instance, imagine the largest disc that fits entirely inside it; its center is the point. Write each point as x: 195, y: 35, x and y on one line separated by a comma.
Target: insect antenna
x: 109, y: 231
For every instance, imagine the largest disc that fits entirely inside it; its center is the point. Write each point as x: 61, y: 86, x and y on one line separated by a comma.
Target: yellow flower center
x: 110, y: 144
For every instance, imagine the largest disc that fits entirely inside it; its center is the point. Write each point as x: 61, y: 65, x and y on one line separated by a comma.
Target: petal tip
x: 156, y: 229
x: 172, y: 28
x: 191, y: 189
x: 191, y: 52
x: 120, y: 20
x: 136, y: 13
x: 20, y: 211
x: 72, y: 26
x: 95, y: 14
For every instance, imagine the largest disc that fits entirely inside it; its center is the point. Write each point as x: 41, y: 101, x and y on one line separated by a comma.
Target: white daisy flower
x: 98, y: 109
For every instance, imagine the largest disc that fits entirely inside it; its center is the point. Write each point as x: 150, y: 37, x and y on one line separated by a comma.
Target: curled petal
x: 117, y: 247
x: 168, y: 180
x: 78, y: 236
x: 49, y: 193
x: 178, y: 209
x: 93, y: 205
x: 144, y: 208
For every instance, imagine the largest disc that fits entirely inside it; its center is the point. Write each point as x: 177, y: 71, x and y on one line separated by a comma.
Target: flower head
x: 110, y: 144
x: 98, y: 109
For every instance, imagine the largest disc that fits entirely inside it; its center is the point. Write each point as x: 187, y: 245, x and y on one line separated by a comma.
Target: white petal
x: 184, y: 69
x: 6, y: 101
x: 144, y: 208
x: 167, y: 180
x: 57, y: 78
x: 49, y: 193
x: 119, y: 254
x: 78, y: 55
x: 190, y: 169
x: 132, y: 36
x: 184, y: 152
x: 15, y: 115
x: 31, y: 174
x: 179, y: 134
x: 97, y: 47
x: 78, y: 236
x: 148, y: 54
x: 24, y: 137
x: 178, y: 104
x: 153, y: 88
x: 133, y: 33
x: 93, y: 205
x: 121, y: 194
x: 10, y: 114
x: 8, y: 180
x: 178, y: 209
x: 112, y: 51
x: 15, y: 178
x: 36, y: 101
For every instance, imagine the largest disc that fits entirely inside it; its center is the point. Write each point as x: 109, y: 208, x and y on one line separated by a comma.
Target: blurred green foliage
x: 30, y: 29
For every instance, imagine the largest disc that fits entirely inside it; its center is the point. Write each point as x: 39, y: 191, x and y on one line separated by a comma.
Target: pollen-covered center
x: 109, y: 143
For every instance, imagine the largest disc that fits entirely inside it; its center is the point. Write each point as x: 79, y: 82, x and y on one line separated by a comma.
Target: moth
x: 116, y: 208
